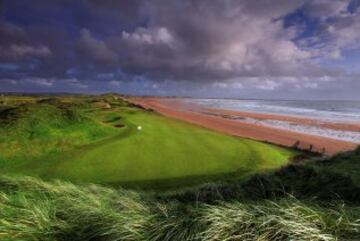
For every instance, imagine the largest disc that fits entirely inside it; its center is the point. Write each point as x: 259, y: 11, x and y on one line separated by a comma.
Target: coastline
x: 231, y: 123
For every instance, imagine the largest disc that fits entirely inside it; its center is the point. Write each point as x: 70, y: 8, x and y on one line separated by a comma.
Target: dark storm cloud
x: 209, y: 41
x: 95, y: 49
x: 10, y: 33
x: 15, y: 43
x: 127, y: 10
x: 223, y: 44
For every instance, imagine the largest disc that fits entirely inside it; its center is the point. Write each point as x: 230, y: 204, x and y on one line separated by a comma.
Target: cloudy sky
x: 284, y: 49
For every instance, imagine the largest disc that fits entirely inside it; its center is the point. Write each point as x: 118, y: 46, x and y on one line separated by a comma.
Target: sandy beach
x: 233, y: 123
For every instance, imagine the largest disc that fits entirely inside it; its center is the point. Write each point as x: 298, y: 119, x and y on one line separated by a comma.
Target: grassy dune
x: 33, y: 130
x: 88, y: 143
x: 31, y: 209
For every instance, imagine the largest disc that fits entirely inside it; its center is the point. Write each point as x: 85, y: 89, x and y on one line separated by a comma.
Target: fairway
x: 70, y: 139
x: 162, y: 149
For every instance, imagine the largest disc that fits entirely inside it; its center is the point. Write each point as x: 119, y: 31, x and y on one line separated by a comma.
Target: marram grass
x: 31, y: 209
x: 287, y: 219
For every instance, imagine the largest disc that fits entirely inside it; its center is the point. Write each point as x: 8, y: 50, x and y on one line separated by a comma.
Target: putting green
x: 163, y: 149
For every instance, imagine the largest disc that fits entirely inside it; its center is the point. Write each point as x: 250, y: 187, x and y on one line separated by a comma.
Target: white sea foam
x: 351, y: 136
x: 325, y: 110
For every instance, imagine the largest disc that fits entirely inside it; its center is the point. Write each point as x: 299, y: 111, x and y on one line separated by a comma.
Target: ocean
x: 329, y: 111
x: 326, y: 110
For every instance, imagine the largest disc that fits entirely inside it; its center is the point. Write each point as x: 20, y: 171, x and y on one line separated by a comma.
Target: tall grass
x: 286, y: 219
x: 31, y: 209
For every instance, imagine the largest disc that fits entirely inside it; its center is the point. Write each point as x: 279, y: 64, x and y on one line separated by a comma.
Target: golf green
x: 149, y: 147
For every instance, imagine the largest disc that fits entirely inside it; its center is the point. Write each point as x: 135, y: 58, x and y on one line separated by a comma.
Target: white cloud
x: 217, y: 40
x: 339, y: 29
x: 115, y: 83
x: 220, y: 85
x: 39, y: 81
x: 268, y: 85
x: 307, y: 85
x: 325, y: 8
x: 158, y: 35
x: 47, y: 82
x: 74, y: 82
x: 22, y: 51
x: 10, y: 81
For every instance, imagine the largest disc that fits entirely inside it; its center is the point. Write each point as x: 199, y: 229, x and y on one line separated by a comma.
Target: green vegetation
x: 31, y: 209
x: 301, y: 181
x: 33, y: 130
x: 96, y: 139
x: 344, y: 163
x: 227, y: 188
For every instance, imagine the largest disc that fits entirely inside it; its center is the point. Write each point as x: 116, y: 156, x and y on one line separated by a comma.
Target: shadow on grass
x: 301, y: 181
x: 181, y: 184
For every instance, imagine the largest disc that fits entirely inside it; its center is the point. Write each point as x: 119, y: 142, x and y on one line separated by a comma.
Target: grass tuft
x: 31, y: 209
x: 286, y: 219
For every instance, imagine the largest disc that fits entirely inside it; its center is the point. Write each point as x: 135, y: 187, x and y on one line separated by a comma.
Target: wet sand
x: 220, y: 120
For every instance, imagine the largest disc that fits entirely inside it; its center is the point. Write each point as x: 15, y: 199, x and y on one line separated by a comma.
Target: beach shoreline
x: 236, y: 123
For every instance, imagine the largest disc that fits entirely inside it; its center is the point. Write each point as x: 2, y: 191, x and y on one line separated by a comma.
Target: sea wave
x: 326, y: 110
x: 350, y: 136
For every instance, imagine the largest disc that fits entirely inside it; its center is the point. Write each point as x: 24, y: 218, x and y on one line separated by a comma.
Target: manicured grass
x: 162, y: 149
x: 164, y: 152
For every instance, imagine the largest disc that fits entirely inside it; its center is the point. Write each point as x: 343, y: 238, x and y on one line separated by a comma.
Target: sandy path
x: 174, y: 108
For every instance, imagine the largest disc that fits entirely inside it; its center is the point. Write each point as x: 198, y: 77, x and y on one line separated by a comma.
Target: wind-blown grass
x: 31, y: 209
x: 286, y: 219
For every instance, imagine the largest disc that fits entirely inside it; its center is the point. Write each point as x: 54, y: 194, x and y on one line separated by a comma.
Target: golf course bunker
x: 113, y: 119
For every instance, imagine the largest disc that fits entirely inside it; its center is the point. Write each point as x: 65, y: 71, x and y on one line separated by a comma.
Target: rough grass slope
x: 31, y: 209
x: 33, y: 130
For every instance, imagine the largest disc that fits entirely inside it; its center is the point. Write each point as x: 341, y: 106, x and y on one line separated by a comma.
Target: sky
x: 269, y: 49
